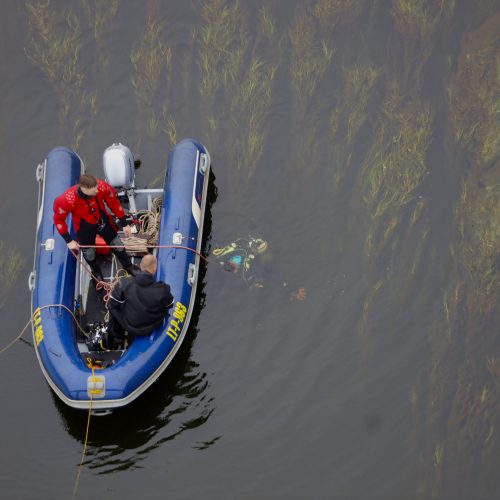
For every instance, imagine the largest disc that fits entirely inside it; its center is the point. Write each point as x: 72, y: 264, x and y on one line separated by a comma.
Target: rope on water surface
x: 84, y: 452
x: 10, y: 344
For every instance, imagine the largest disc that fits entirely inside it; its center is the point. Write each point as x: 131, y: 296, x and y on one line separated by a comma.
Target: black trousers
x: 86, y: 236
x: 116, y: 329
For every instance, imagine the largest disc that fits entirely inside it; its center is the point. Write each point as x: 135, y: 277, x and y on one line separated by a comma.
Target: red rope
x: 149, y: 246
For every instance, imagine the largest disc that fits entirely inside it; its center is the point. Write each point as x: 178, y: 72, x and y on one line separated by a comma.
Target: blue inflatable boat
x: 68, y: 311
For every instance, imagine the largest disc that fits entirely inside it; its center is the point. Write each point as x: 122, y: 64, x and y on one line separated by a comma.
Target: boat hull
x: 76, y: 382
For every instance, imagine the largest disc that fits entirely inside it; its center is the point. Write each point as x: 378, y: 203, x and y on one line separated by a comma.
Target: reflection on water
x: 179, y: 401
x: 361, y: 138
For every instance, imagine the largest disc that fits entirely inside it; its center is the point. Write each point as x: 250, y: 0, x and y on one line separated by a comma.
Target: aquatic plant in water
x: 465, y: 349
x: 310, y: 58
x: 266, y: 23
x: 395, y: 164
x: 11, y: 263
x: 474, y: 97
x: 231, y: 65
x: 350, y: 114
x: 151, y: 61
x: 249, y: 107
x: 150, y: 58
x: 54, y: 44
x: 223, y: 42
x: 420, y: 17
x: 332, y: 12
x: 417, y: 20
x: 99, y: 13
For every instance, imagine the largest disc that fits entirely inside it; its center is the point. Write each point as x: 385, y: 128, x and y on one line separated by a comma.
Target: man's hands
x: 73, y: 245
x: 127, y: 231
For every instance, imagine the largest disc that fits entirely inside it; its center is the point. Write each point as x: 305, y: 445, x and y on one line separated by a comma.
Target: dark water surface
x: 361, y: 140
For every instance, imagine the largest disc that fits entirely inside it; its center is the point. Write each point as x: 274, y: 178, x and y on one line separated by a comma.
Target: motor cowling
x: 118, y: 165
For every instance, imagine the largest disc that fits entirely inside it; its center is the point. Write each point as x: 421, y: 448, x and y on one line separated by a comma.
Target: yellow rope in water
x: 31, y: 319
x: 77, y: 480
x: 18, y: 337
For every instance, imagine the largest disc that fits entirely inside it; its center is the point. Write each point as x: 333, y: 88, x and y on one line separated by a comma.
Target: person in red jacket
x: 87, y: 202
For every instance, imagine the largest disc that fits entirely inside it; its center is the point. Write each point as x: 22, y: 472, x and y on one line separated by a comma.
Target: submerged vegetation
x: 396, y: 163
x: 11, y: 263
x: 464, y: 351
x: 99, y: 13
x: 350, y: 114
x: 151, y: 61
x: 232, y: 70
x: 223, y: 42
x: 333, y: 12
x: 54, y: 45
x: 420, y: 17
x: 309, y: 58
x: 417, y: 21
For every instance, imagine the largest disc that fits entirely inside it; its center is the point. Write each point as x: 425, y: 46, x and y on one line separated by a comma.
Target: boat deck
x: 94, y: 311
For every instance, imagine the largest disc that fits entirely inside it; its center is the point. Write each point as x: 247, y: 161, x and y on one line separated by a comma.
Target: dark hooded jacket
x: 139, y: 304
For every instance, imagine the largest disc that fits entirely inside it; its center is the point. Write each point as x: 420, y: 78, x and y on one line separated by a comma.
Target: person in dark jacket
x: 138, y: 305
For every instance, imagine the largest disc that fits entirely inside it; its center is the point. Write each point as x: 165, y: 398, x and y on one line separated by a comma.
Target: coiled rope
x: 149, y: 220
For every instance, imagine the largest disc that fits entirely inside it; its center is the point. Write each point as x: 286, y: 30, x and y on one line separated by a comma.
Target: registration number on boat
x: 176, y: 322
x: 37, y: 321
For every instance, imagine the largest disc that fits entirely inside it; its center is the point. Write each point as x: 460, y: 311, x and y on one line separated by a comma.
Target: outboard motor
x: 119, y: 170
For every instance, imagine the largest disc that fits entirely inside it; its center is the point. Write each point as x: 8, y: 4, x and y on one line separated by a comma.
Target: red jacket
x: 71, y: 202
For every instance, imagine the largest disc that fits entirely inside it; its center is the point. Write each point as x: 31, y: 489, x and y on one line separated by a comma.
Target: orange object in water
x: 102, y: 246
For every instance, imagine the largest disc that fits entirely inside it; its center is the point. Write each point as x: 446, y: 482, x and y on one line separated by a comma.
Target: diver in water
x: 244, y: 256
x: 249, y: 258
